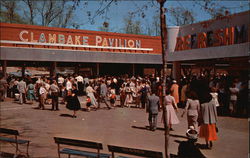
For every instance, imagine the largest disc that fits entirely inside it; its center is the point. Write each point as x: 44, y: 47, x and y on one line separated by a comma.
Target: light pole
x: 164, y: 64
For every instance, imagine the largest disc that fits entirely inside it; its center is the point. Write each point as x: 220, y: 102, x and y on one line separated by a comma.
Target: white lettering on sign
x: 21, y: 36
x: 53, y: 38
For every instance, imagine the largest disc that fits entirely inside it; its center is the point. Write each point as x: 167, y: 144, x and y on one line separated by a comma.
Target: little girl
x: 88, y: 103
x: 112, y: 97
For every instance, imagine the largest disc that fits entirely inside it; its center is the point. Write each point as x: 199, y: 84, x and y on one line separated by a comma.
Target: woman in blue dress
x: 30, y: 92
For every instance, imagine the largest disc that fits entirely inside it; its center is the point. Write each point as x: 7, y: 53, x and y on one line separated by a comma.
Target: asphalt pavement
x: 119, y: 126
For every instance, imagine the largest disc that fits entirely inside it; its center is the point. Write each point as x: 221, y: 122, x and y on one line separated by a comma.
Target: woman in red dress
x: 209, y: 116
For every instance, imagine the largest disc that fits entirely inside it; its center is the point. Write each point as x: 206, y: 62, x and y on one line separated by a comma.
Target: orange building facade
x: 94, y: 50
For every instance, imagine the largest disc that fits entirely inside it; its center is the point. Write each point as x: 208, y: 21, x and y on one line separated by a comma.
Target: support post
x: 77, y: 68
x: 133, y: 69
x: 23, y: 70
x: 4, y: 68
x: 97, y: 69
x: 177, y: 71
x: 53, y: 69
x: 164, y: 64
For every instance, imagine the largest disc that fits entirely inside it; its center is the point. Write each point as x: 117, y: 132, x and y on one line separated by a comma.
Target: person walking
x: 233, y: 99
x: 143, y: 91
x: 170, y: 114
x: 90, y: 93
x: 175, y: 91
x: 31, y: 92
x: 214, y: 95
x: 209, y: 117
x: 184, y: 90
x: 192, y: 108
x: 122, y: 95
x: 104, y: 94
x: 21, y: 86
x: 42, y: 95
x: 3, y: 87
x: 55, y: 90
x: 152, y: 109
x: 129, y: 98
x: 112, y: 97
x: 72, y: 101
x: 80, y: 85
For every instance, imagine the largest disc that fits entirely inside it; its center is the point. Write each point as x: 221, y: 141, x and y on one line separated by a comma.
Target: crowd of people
x: 201, y: 96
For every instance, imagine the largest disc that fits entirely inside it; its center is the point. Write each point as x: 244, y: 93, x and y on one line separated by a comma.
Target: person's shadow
x: 65, y: 115
x: 188, y: 149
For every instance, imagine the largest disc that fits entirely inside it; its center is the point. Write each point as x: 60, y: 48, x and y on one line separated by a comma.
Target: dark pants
x: 152, y: 118
x: 80, y: 88
x: 143, y: 100
x: 2, y: 95
x: 54, y: 97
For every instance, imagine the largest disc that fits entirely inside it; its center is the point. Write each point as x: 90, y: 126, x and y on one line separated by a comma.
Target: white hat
x: 174, y: 81
x: 192, y: 133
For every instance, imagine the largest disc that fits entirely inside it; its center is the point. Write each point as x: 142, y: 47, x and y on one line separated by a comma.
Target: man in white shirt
x: 79, y: 80
x: 60, y: 81
x: 21, y: 86
x: 42, y: 94
x: 68, y: 84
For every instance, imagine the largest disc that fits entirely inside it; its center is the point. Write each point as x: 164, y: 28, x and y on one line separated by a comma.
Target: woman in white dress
x: 170, y: 115
x: 90, y: 92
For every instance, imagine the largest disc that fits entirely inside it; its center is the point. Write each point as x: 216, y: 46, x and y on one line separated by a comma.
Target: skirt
x: 73, y: 103
x: 171, y: 115
x: 92, y: 98
x: 208, y: 131
x: 31, y: 95
x: 112, y: 101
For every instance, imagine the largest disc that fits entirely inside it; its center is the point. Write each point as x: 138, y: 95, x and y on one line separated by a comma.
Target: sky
x: 118, y: 11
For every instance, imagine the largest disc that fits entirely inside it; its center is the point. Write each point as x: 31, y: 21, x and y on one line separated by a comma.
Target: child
x: 112, y: 97
x: 88, y: 103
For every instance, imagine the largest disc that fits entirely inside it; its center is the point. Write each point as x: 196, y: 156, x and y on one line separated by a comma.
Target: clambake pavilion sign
x: 52, y: 38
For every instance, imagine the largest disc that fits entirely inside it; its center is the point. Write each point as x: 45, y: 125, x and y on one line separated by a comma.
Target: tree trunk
x: 164, y: 64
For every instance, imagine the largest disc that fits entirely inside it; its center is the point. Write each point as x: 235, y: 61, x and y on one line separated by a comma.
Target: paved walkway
x: 118, y: 126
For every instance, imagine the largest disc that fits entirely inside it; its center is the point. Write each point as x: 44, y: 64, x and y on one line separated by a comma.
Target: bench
x: 133, y: 151
x: 80, y: 143
x: 14, y: 140
x: 6, y: 155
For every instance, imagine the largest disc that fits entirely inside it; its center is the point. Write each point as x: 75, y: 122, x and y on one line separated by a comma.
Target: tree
x: 214, y: 9
x: 156, y: 25
x: 104, y: 27
x: 9, y: 12
x: 31, y: 5
x: 132, y: 26
x: 181, y: 16
x: 164, y: 68
x: 65, y: 18
x: 56, y: 13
